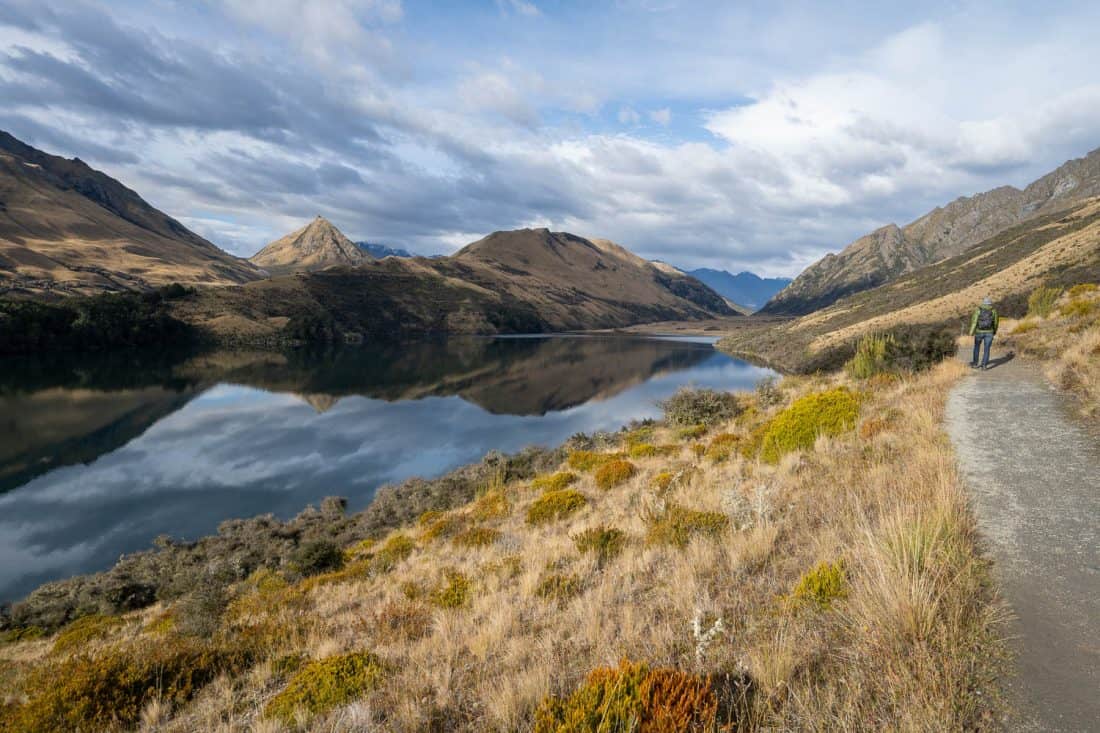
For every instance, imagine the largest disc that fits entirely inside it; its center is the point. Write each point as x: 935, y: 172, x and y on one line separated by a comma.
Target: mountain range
x: 378, y: 251
x: 745, y: 288
x: 892, y: 251
x: 68, y: 229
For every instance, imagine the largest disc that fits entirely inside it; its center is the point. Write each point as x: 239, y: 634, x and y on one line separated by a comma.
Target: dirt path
x: 1034, y: 473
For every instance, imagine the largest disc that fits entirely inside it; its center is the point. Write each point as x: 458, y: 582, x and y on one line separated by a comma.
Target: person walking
x: 983, y: 327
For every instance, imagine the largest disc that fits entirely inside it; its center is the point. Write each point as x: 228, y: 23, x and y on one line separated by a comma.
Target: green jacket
x: 974, y: 322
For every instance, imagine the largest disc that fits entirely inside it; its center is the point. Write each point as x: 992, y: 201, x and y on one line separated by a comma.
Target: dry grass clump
x: 677, y: 525
x: 691, y: 432
x: 401, y: 620
x: 832, y: 412
x: 477, y: 537
x: 493, y: 504
x: 633, y: 696
x: 435, y: 525
x: 558, y: 587
x: 394, y: 550
x: 872, y: 356
x: 613, y: 473
x: 554, y: 481
x: 1025, y: 326
x: 723, y: 446
x: 325, y: 684
x: 1082, y: 289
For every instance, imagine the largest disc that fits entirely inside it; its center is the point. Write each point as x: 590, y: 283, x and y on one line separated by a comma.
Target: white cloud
x: 629, y: 116
x: 523, y: 7
x: 661, y: 116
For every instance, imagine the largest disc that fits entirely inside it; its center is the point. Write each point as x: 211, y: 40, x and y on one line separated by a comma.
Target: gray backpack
x: 985, y: 319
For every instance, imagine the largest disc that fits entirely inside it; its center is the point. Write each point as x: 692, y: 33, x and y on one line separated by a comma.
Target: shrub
x: 554, y: 481
x: 677, y: 525
x: 821, y: 585
x: 559, y: 587
x: 642, y: 450
x: 491, y: 505
x: 110, y: 688
x: 395, y: 549
x: 691, y: 432
x: 613, y: 473
x: 477, y: 537
x: 323, y: 685
x: 440, y: 524
x: 199, y: 613
x: 633, y: 697
x: 603, y: 542
x: 700, y: 407
x: 287, y: 664
x: 722, y: 446
x: 27, y: 633
x: 586, y: 460
x: 83, y: 630
x: 1025, y: 327
x: 453, y: 592
x: 768, y: 393
x: 317, y: 556
x: 555, y: 505
x: 1083, y: 289
x: 832, y: 412
x: 872, y: 356
x: 1041, y: 301
x: 1079, y: 308
x: 663, y: 481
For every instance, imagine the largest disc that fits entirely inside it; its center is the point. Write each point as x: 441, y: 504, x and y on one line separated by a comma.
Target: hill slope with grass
x: 1062, y: 248
x: 66, y: 228
x: 746, y: 562
x: 892, y: 251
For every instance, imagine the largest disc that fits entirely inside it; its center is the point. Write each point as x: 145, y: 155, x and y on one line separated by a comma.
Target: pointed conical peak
x: 315, y: 246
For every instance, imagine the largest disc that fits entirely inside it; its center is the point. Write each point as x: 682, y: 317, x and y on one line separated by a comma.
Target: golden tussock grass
x: 508, y: 616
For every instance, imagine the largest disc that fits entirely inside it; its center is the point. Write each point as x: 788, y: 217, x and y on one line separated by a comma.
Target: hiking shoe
x: 973, y: 366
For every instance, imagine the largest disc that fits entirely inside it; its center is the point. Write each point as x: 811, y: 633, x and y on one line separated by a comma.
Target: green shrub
x: 395, y: 549
x: 199, y: 613
x: 439, y: 524
x: 28, y: 633
x: 83, y: 630
x: 554, y: 505
x: 554, y: 481
x: 454, y: 592
x: 603, y: 542
x: 559, y: 587
x: 832, y: 412
x: 1079, y: 308
x: 767, y: 392
x: 323, y: 685
x: 633, y: 697
x: 110, y: 688
x: 1083, y: 289
x: 287, y: 664
x: 691, y: 432
x: 821, y: 585
x: 642, y: 450
x: 491, y: 505
x: 872, y: 356
x: 663, y: 481
x: 613, y: 473
x: 477, y: 537
x: 677, y: 525
x: 586, y: 460
x: 700, y: 407
x: 1041, y: 301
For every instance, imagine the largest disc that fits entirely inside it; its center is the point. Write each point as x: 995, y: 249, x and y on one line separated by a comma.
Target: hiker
x: 983, y: 326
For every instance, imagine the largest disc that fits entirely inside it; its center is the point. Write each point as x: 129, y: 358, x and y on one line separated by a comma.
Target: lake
x: 98, y: 456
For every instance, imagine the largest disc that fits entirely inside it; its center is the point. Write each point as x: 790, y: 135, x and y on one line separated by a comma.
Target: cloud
x: 629, y: 116
x: 523, y: 7
x: 661, y: 116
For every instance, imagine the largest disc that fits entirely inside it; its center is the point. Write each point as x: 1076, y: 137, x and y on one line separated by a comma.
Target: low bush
x: 1079, y: 308
x: 642, y: 450
x: 586, y: 460
x: 27, y: 633
x: 663, y: 481
x: 491, y: 505
x: 614, y: 473
x: 111, y: 688
x: 1082, y: 289
x: 832, y: 412
x: 554, y: 505
x: 872, y: 356
x: 554, y: 481
x: 317, y: 556
x: 1025, y: 326
x: 199, y: 613
x: 722, y: 446
x: 691, y: 432
x: 558, y: 587
x: 325, y: 684
x: 439, y: 524
x: 633, y: 697
x: 821, y: 585
x: 454, y: 591
x: 700, y: 407
x: 768, y: 393
x: 677, y: 525
x: 476, y: 537
x: 603, y: 542
x: 1041, y: 301
x: 83, y: 630
x: 286, y: 665
x: 394, y: 550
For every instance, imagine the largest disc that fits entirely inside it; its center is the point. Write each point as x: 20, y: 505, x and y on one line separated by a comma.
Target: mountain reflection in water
x: 98, y: 457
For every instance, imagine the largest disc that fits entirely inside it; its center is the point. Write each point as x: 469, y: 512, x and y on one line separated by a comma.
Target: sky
x: 734, y: 135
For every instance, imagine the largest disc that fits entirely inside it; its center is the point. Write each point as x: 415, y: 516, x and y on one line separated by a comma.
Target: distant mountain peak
x: 747, y: 289
x: 316, y: 246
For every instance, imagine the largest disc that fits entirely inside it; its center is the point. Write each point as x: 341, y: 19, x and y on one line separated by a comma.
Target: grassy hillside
x: 801, y: 557
x: 1058, y: 249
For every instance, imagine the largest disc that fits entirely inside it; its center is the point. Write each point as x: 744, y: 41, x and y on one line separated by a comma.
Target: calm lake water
x: 99, y: 456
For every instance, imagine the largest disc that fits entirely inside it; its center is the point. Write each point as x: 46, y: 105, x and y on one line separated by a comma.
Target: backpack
x: 985, y: 319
